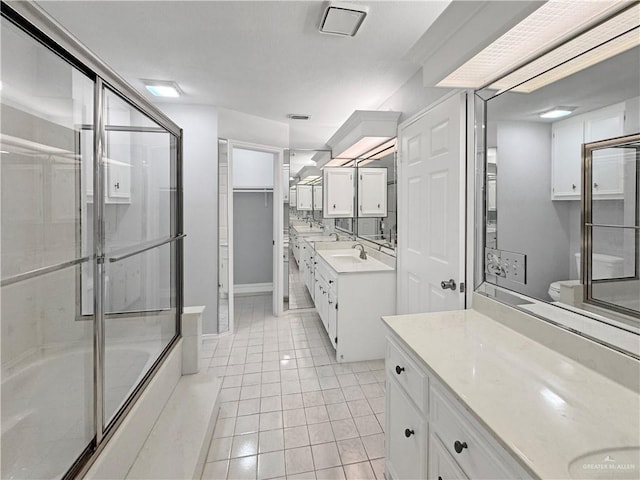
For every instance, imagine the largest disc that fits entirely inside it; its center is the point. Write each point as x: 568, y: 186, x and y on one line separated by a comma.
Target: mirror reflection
x: 534, y: 193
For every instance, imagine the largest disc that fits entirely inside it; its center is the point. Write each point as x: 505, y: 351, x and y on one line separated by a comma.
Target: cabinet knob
x: 408, y: 433
x: 117, y: 185
x: 334, y: 205
x: 595, y: 185
x: 399, y: 369
x: 573, y: 186
x: 330, y: 282
x: 458, y: 447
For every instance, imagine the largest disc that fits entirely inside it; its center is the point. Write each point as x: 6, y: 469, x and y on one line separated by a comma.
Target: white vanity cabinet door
x: 608, y: 175
x: 372, y: 192
x: 405, y: 454
x: 441, y: 465
x: 304, y: 197
x: 566, y: 159
x: 338, y: 192
x: 317, y: 197
x: 332, y: 318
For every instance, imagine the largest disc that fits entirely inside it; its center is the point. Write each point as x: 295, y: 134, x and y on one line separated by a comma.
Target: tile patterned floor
x: 288, y: 409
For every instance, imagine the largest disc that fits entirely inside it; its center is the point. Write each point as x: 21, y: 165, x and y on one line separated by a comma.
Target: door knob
x: 448, y: 284
x: 459, y: 446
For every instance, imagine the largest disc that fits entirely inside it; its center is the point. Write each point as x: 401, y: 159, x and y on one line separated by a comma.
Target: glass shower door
x: 139, y: 165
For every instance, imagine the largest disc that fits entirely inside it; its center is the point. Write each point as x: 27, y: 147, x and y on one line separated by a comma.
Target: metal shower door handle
x: 448, y: 284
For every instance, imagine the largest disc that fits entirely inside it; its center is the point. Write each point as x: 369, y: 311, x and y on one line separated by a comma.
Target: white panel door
x: 431, y: 232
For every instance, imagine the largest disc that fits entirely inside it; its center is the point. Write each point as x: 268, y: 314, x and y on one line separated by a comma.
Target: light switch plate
x: 515, y: 266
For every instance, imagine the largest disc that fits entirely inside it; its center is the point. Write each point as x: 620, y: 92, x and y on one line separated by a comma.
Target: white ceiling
x: 265, y: 58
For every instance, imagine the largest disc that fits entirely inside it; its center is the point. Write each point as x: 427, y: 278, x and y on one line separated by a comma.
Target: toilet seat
x: 554, y: 288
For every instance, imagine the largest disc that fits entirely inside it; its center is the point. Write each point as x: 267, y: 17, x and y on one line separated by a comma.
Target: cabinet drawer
x: 441, y: 465
x: 476, y: 458
x: 407, y: 373
x: 406, y: 436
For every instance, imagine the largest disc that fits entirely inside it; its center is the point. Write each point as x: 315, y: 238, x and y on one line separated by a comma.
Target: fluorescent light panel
x: 557, y: 112
x: 548, y: 25
x: 361, y: 147
x: 527, y: 81
x: 162, y: 88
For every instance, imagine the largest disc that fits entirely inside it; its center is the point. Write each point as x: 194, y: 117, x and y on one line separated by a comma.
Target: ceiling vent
x: 298, y: 116
x: 343, y: 18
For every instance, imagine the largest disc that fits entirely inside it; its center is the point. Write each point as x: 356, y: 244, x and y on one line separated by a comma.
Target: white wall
x: 243, y: 127
x: 412, y: 97
x: 528, y: 221
x: 200, y: 177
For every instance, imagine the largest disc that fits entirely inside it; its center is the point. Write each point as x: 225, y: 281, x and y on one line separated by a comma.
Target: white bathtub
x: 47, y: 406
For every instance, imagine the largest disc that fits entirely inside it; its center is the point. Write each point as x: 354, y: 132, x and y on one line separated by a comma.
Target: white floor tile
x: 325, y: 455
x: 270, y: 440
x: 243, y: 468
x: 320, y: 433
x: 359, y: 471
x: 244, y: 445
x: 271, y: 465
x: 298, y: 460
x: 295, y: 437
x: 351, y: 451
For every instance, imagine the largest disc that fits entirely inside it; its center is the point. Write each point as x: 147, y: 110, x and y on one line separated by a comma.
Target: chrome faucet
x: 363, y: 254
x: 385, y: 244
x: 337, y: 236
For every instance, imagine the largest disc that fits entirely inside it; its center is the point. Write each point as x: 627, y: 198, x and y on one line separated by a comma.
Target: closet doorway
x: 249, y: 227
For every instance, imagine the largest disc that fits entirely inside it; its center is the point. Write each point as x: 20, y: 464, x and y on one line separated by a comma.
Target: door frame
x: 278, y: 237
x: 467, y: 185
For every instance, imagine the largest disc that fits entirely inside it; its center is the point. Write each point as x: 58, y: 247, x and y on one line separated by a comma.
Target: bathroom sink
x: 614, y: 463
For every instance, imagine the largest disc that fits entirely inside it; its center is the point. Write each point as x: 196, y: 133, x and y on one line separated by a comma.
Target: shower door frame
x: 42, y: 28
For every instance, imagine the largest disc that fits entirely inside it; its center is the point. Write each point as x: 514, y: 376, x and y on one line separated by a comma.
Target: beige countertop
x: 558, y: 418
x: 347, y: 260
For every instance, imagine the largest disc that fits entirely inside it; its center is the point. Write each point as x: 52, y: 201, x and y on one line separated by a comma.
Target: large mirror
x: 376, y: 215
x: 540, y: 181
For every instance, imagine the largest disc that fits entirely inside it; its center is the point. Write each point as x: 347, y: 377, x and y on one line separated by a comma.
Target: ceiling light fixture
x: 558, y: 112
x: 160, y: 88
x: 363, y: 131
x: 343, y: 18
x: 548, y: 26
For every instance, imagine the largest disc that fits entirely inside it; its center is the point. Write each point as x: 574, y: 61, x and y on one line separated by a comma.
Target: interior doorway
x: 250, y: 226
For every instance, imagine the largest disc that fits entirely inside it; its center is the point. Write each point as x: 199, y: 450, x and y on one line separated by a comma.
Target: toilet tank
x: 603, y: 266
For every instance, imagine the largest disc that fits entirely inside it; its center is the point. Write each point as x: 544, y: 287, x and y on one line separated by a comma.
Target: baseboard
x: 252, y: 288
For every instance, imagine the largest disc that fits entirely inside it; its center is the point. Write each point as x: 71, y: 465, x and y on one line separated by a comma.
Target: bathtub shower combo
x: 91, y: 229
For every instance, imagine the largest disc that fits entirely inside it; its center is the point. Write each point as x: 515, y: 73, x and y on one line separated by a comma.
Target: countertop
x: 347, y: 261
x: 549, y: 411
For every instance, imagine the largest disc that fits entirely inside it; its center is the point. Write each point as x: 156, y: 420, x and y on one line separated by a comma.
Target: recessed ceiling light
x: 549, y: 25
x: 558, y: 112
x: 343, y: 18
x: 161, y: 88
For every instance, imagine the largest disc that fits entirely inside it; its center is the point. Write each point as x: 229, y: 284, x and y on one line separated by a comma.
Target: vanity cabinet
x: 338, y: 192
x: 429, y: 433
x: 372, y: 192
x: 304, y: 199
x: 566, y: 154
x: 350, y: 305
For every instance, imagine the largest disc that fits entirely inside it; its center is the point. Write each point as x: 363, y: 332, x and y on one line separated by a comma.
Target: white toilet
x: 604, y: 266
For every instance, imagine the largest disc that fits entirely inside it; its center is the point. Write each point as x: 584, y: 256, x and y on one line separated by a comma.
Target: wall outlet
x: 515, y: 266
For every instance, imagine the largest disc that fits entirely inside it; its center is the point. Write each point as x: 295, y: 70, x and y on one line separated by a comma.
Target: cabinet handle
x: 439, y: 477
x: 458, y: 447
x: 399, y: 369
x: 408, y: 433
x: 573, y: 186
x: 330, y: 302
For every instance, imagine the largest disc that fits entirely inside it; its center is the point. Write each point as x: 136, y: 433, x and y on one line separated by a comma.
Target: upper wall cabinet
x: 317, y: 197
x: 566, y: 155
x: 372, y: 192
x: 285, y: 183
x: 304, y: 197
x: 338, y: 192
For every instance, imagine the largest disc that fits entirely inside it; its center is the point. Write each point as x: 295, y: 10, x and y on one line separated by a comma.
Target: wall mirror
x: 376, y: 215
x: 560, y: 194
